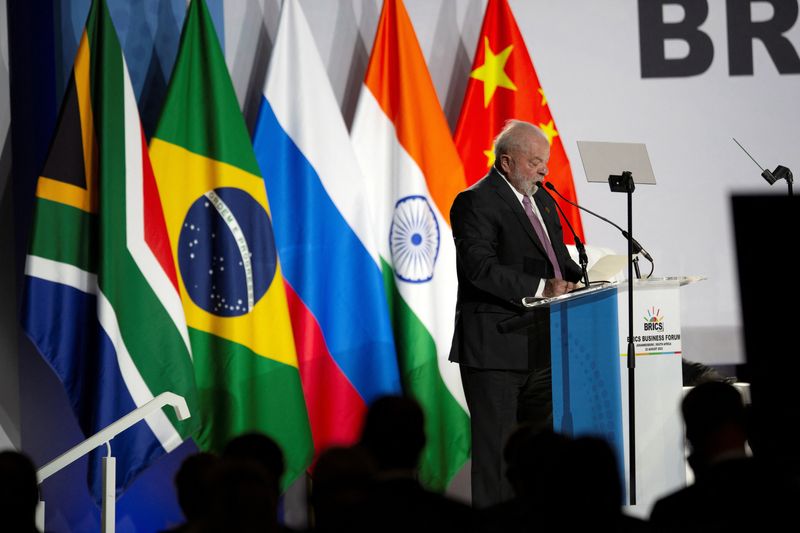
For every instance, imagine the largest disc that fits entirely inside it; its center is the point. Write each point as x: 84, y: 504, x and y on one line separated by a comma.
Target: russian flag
x: 326, y: 245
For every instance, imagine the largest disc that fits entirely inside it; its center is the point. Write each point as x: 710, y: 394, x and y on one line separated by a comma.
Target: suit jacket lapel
x: 502, y: 188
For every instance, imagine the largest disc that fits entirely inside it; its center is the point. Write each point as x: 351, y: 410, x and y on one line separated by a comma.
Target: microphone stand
x: 583, y: 259
x: 780, y: 172
x: 637, y: 248
x: 625, y: 184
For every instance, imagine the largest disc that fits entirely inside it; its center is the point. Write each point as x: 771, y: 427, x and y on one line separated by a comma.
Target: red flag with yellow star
x: 503, y: 85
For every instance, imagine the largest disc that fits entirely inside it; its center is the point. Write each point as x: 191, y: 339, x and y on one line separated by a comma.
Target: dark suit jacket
x: 500, y: 260
x: 735, y: 495
x: 403, y: 505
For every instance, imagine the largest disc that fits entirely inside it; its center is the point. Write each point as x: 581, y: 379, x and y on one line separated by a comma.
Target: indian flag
x: 413, y: 173
x: 223, y: 245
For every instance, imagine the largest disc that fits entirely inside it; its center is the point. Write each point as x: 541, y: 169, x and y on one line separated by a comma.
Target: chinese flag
x: 503, y: 85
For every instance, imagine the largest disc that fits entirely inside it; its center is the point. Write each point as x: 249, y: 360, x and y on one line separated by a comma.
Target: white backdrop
x: 587, y: 56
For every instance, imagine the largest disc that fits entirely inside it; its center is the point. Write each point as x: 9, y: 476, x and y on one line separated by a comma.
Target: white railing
x: 104, y: 436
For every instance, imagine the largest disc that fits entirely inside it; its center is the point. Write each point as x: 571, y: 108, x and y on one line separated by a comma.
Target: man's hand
x: 557, y: 287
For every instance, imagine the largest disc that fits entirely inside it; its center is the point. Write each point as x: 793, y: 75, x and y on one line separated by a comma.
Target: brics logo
x: 654, y: 321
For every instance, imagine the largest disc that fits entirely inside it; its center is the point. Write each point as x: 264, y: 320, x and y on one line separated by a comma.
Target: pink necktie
x: 542, y: 234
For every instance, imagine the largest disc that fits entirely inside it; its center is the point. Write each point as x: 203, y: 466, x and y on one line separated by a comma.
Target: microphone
x: 583, y: 259
x: 780, y: 172
x: 637, y: 248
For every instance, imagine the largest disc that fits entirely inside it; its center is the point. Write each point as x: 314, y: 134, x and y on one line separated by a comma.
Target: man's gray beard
x: 528, y: 188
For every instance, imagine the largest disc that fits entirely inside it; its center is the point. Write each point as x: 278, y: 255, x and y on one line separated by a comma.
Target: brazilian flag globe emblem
x: 226, y: 252
x: 229, y: 275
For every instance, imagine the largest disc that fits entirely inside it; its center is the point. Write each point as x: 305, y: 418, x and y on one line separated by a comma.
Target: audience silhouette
x: 560, y: 484
x: 732, y: 491
x: 193, y: 488
x: 394, y: 435
x: 259, y: 449
x: 244, y: 498
x: 19, y: 493
x: 342, y: 482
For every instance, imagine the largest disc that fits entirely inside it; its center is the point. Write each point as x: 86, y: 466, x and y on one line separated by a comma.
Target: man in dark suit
x: 509, y: 245
x: 732, y: 491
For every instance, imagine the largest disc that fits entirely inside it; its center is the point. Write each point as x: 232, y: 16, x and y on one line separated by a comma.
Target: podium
x: 588, y: 342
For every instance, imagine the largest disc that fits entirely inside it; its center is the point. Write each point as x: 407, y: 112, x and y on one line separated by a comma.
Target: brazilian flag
x: 230, y: 279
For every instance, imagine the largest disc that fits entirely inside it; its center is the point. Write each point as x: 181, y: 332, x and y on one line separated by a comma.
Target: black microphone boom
x: 583, y: 259
x: 637, y: 248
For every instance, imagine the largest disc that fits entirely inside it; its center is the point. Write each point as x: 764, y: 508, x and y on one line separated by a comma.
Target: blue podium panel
x: 584, y: 344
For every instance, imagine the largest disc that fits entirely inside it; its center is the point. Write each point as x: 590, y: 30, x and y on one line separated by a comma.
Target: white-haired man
x: 509, y: 245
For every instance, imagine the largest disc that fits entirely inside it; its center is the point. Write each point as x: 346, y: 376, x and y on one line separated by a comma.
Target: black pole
x: 631, y: 355
x: 624, y: 183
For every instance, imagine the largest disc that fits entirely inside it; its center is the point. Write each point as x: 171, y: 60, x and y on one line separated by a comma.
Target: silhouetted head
x: 716, y: 426
x: 534, y: 460
x: 258, y: 448
x: 394, y: 432
x: 343, y: 467
x: 244, y: 498
x: 192, y: 483
x: 710, y: 409
x: 19, y: 492
x: 341, y: 482
x: 594, y: 479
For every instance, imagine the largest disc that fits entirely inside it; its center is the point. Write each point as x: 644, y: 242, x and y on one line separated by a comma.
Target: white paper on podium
x: 607, y: 267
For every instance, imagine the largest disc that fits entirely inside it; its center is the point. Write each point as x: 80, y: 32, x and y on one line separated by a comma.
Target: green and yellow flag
x: 101, y: 301
x: 223, y: 245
